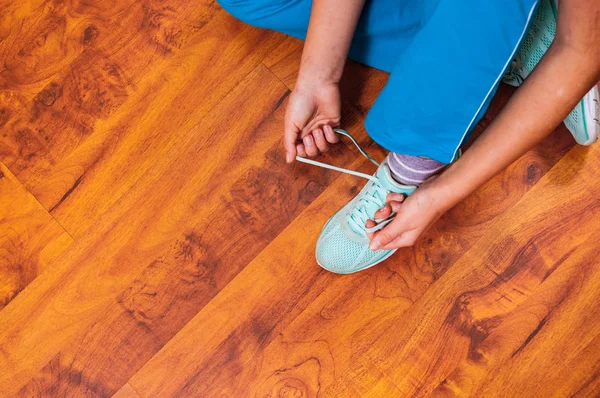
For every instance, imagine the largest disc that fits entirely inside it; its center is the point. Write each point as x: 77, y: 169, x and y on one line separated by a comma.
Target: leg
x: 385, y: 29
x: 443, y: 82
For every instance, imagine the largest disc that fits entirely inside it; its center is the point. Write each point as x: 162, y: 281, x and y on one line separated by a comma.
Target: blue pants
x: 446, y: 59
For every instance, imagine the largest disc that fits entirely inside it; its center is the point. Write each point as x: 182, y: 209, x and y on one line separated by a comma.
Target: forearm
x: 330, y: 31
x: 561, y: 79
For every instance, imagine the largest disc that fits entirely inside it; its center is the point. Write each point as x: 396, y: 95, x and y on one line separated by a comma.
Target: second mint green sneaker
x: 343, y: 245
x: 584, y: 121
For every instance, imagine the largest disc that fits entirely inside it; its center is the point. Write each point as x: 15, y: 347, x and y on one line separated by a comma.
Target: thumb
x: 389, y: 233
x: 407, y: 239
x: 298, y: 113
x: 290, y: 136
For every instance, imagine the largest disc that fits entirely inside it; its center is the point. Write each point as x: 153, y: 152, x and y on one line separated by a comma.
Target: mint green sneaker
x: 583, y: 122
x: 343, y: 245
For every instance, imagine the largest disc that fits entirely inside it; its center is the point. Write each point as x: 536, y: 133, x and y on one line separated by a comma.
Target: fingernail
x: 374, y: 244
x: 308, y: 141
x: 288, y: 158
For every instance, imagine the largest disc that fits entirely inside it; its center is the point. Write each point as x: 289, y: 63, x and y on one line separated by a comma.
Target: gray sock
x: 412, y: 170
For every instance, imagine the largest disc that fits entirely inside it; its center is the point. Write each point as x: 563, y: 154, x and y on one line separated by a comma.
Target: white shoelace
x: 374, y: 197
x: 341, y: 169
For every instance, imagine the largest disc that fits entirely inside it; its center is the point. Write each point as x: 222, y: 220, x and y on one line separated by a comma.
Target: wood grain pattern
x: 488, y: 311
x: 239, y: 327
x: 149, y: 131
x: 126, y: 392
x: 203, y: 266
x: 388, y: 289
x: 169, y: 240
x: 111, y: 124
x: 30, y: 238
x: 345, y: 311
x: 40, y: 39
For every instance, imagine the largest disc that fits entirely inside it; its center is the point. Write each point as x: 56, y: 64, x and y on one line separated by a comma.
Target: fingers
x: 315, y: 142
x: 395, y: 206
x: 392, y: 206
x: 312, y: 144
x: 384, y: 212
x: 394, y: 201
x: 309, y: 146
x: 330, y: 135
x: 320, y: 140
x: 301, y: 151
x: 370, y: 224
x: 395, y: 197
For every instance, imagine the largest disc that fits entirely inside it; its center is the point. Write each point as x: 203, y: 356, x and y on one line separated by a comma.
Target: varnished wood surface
x: 31, y: 238
x: 154, y: 244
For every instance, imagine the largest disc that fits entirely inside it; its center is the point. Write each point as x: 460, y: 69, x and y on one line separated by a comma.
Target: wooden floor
x: 154, y: 244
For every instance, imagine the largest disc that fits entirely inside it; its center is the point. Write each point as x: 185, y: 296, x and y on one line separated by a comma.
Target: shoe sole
x: 590, y: 106
x: 360, y: 269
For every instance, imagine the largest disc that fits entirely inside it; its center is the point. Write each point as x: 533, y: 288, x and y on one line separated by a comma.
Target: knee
x: 245, y: 10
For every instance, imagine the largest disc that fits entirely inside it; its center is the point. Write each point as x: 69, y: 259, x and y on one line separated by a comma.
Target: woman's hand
x: 312, y: 113
x: 414, y: 214
x: 314, y: 107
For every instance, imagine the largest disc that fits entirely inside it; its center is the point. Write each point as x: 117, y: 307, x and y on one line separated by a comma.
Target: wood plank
x: 30, y: 238
x: 192, y: 234
x: 313, y: 188
x: 173, y: 220
x: 161, y: 221
x: 119, y: 321
x: 11, y: 103
x: 53, y: 145
x: 343, y: 311
x: 40, y: 39
x: 228, y: 332
x: 94, y: 82
x: 34, y: 44
x: 523, y: 274
x: 126, y: 392
x: 152, y: 121
x: 561, y: 356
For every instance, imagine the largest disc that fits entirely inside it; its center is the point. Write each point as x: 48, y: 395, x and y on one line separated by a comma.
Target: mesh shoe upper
x: 343, y: 246
x: 582, y: 122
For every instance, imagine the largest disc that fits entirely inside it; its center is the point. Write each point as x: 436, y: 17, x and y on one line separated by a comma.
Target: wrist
x: 445, y: 193
x: 316, y: 87
x: 317, y: 75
